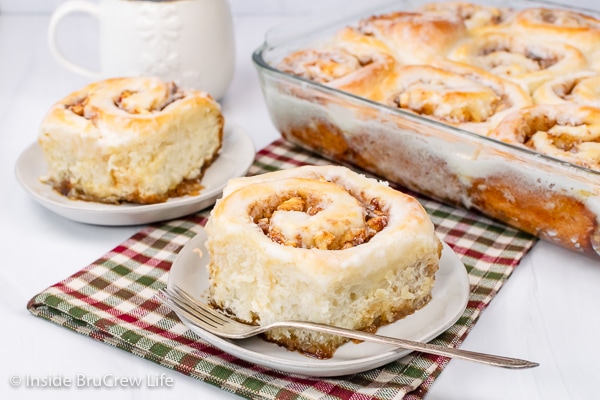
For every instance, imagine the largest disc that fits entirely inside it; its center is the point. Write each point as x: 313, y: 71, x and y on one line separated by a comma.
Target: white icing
x: 342, y: 212
x: 120, y: 110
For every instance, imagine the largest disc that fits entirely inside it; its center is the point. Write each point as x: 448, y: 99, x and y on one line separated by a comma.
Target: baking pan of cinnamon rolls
x: 493, y: 106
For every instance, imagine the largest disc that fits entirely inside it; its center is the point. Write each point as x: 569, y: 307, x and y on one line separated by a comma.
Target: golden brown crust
x: 321, y: 136
x: 414, y: 37
x: 535, y: 210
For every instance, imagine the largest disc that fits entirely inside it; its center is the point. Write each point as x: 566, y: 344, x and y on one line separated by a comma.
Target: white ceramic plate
x: 237, y: 154
x: 449, y: 300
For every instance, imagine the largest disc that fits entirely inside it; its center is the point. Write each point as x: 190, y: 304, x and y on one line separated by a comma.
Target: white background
x: 240, y: 6
x: 237, y: 6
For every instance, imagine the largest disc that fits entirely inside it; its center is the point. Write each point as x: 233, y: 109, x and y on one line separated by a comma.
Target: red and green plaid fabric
x: 111, y: 300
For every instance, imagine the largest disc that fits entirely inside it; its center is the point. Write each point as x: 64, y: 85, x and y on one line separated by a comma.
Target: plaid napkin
x: 111, y: 300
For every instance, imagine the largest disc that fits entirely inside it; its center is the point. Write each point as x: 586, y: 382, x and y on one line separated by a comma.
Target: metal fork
x: 207, y: 318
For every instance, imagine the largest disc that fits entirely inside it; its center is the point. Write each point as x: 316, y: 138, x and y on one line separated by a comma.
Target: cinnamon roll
x: 528, y: 62
x: 567, y: 132
x: 561, y: 26
x: 359, y: 253
x: 458, y: 95
x: 351, y: 62
x: 139, y: 140
x: 415, y: 37
x: 474, y: 16
x: 580, y: 87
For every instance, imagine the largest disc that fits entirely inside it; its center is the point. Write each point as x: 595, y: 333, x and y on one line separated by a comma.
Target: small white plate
x: 449, y: 300
x: 237, y: 154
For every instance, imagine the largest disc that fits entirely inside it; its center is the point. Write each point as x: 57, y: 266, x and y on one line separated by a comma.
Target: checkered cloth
x: 111, y: 300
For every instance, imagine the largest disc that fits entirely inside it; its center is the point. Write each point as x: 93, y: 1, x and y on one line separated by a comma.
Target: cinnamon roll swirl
x: 458, y: 95
x: 567, y: 132
x: 580, y: 88
x: 561, y: 26
x: 351, y: 62
x: 139, y: 140
x: 526, y: 62
x: 359, y: 253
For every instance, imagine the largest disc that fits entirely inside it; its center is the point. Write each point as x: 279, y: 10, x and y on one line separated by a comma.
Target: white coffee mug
x: 189, y: 42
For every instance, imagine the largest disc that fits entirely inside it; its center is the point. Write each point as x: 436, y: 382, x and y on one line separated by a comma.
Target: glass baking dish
x: 555, y: 200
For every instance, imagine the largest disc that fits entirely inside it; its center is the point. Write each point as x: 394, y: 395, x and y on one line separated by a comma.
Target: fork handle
x: 489, y: 359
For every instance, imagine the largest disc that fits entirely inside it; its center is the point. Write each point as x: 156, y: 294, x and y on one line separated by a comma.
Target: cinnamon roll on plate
x: 138, y: 140
x: 359, y: 253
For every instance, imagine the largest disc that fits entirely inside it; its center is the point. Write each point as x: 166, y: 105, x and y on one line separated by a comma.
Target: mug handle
x: 62, y: 11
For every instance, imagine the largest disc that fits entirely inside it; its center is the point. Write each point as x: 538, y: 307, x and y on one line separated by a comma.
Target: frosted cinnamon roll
x: 567, y: 132
x: 562, y: 26
x: 139, y: 140
x: 351, y: 62
x: 580, y: 88
x: 458, y: 95
x: 359, y: 253
x: 415, y: 37
x: 525, y: 61
x: 473, y: 15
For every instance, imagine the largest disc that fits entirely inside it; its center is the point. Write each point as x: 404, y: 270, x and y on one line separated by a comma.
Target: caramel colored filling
x: 310, y: 204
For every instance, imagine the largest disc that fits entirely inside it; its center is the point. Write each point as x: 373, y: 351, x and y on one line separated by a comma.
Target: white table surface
x: 546, y: 312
